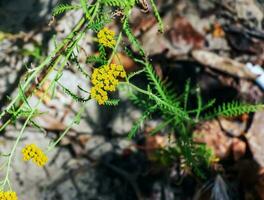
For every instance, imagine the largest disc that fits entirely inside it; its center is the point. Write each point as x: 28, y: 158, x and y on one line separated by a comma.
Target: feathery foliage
x: 157, y: 15
x: 233, y: 109
x: 120, y: 3
x: 61, y: 8
x: 132, y: 39
x: 112, y: 102
x: 140, y: 121
x: 74, y: 96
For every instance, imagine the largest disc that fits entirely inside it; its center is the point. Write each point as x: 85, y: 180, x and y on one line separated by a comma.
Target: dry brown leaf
x: 41, y: 92
x: 83, y: 139
x: 50, y: 123
x: 223, y: 64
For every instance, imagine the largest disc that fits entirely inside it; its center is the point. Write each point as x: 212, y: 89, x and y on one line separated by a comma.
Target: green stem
x: 42, y: 65
x: 77, y: 117
x: 6, y: 180
x: 10, y: 158
x: 157, y: 99
x: 49, y: 59
x: 115, y: 49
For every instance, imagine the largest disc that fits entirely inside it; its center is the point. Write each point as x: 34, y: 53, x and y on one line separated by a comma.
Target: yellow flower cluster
x: 105, y: 79
x: 8, y: 195
x: 106, y: 37
x: 33, y: 152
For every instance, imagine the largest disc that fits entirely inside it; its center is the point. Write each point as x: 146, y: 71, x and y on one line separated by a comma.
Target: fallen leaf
x: 50, y: 123
x: 83, y: 139
x: 41, y: 92
x: 223, y: 64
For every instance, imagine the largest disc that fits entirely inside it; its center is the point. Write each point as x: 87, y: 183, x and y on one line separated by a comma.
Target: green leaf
x: 61, y: 8
x: 157, y: 15
x: 132, y: 38
x: 112, y: 102
x: 22, y: 95
x: 74, y: 96
x: 233, y: 109
x: 84, y: 7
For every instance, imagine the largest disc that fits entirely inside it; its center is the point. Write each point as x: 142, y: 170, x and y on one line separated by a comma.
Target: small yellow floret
x: 8, y: 195
x: 105, y: 79
x: 106, y: 37
x: 33, y: 152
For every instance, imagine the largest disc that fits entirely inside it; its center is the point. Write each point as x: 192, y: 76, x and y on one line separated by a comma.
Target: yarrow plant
x: 105, y: 79
x: 157, y: 97
x: 106, y: 37
x: 8, y: 195
x: 33, y: 152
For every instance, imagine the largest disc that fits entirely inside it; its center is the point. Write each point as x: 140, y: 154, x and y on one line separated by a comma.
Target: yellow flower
x: 8, y: 195
x: 33, y: 152
x: 105, y: 79
x: 106, y: 37
x: 99, y: 95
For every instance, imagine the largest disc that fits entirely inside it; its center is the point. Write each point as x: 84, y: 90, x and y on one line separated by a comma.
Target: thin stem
x: 43, y: 64
x: 15, y: 145
x: 6, y: 180
x: 157, y: 99
x: 115, y: 49
x: 57, y: 56
x: 77, y: 117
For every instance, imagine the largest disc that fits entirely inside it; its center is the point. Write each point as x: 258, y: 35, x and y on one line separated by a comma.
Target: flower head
x: 106, y: 37
x: 105, y: 79
x: 33, y: 152
x: 8, y: 195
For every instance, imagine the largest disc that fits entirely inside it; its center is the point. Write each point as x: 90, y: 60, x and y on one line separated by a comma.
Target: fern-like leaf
x: 61, y: 8
x: 84, y: 7
x: 186, y: 94
x: 131, y: 75
x: 95, y: 59
x: 132, y: 38
x: 124, y: 4
x: 100, y: 22
x: 157, y: 15
x: 74, y: 96
x: 112, y: 102
x: 102, y: 52
x: 233, y: 109
x: 140, y: 121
